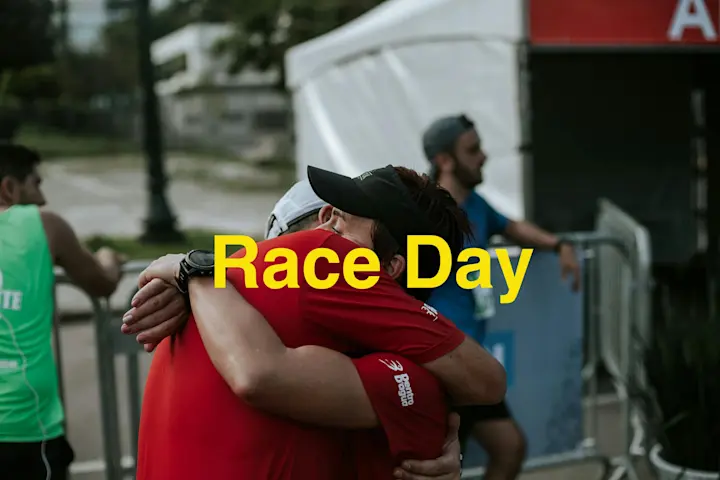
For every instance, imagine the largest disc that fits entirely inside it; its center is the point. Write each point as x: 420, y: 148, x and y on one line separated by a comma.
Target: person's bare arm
x: 309, y: 384
x: 98, y: 276
x: 158, y: 298
x: 470, y: 374
x: 526, y: 233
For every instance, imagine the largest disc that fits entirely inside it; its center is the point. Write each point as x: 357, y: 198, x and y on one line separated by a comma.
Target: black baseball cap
x: 441, y: 135
x: 377, y: 194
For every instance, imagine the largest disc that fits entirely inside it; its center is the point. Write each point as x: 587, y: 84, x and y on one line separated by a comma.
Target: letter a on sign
x: 691, y: 14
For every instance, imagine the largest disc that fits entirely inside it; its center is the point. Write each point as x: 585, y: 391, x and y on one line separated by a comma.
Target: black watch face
x: 201, y: 258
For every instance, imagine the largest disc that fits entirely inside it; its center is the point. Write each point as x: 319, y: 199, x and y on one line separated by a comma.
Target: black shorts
x: 471, y: 415
x: 25, y: 460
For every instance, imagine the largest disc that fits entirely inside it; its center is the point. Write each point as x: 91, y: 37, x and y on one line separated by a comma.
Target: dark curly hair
x: 450, y: 222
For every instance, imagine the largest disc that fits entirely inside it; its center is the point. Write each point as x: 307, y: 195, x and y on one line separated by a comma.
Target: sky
x: 87, y: 17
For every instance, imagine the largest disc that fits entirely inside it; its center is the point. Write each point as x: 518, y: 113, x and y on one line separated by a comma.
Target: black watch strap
x: 197, y: 263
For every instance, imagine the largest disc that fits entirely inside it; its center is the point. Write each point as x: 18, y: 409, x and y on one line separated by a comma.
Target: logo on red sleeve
x: 430, y: 311
x: 392, y: 365
x: 404, y: 391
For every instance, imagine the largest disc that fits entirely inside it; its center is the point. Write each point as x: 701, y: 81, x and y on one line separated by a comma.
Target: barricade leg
x: 108, y: 392
x: 133, y: 383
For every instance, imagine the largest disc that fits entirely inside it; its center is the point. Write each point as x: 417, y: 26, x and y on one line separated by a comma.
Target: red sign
x: 625, y: 22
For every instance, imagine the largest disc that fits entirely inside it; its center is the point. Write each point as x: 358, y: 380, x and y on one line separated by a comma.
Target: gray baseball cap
x: 441, y: 135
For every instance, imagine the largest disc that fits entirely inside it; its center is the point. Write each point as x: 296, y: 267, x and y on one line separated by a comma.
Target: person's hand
x: 446, y: 467
x: 107, y: 255
x: 165, y: 268
x: 158, y: 310
x: 111, y: 261
x: 569, y: 265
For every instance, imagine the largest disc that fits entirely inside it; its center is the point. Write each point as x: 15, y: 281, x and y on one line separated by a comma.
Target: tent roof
x: 403, y: 22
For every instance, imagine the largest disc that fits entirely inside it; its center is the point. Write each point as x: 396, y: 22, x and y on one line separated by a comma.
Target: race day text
x: 468, y: 276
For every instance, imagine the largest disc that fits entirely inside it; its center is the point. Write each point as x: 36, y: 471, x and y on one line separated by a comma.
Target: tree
x: 25, y: 41
x: 265, y: 30
x: 119, y: 37
x: 26, y: 36
x: 39, y: 82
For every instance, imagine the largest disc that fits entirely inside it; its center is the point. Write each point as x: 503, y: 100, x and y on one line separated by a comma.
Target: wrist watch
x: 197, y: 263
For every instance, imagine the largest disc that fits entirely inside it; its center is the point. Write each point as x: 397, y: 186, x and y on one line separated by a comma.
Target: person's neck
x: 459, y: 192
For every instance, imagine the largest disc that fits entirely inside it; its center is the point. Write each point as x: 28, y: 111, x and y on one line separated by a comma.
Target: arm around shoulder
x: 79, y: 263
x: 384, y: 318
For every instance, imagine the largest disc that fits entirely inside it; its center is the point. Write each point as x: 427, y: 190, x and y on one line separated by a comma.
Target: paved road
x: 109, y: 198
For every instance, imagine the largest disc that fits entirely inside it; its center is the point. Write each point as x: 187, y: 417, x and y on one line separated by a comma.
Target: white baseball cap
x: 297, y: 204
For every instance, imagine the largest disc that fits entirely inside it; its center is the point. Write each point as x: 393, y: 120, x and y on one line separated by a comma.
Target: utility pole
x: 712, y: 136
x: 62, y: 10
x: 160, y: 224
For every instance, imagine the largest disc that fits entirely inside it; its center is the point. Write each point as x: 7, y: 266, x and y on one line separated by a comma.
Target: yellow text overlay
x: 468, y: 276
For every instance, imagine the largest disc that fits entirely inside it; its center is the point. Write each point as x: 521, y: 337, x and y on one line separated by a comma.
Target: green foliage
x: 59, y: 144
x: 119, y: 37
x: 682, y: 362
x: 137, y: 250
x: 266, y: 30
x: 39, y: 82
x: 26, y: 37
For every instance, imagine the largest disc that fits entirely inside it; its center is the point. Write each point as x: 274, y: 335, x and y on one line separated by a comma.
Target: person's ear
x: 9, y: 190
x: 325, y: 214
x: 444, y: 162
x: 396, y: 266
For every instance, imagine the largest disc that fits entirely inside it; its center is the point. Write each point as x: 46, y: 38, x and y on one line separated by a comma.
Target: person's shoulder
x: 476, y: 200
x: 24, y: 209
x: 306, y: 241
x: 50, y: 215
x: 300, y: 242
x: 55, y: 224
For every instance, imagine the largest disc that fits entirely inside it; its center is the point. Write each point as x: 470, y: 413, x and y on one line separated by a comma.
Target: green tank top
x: 30, y: 406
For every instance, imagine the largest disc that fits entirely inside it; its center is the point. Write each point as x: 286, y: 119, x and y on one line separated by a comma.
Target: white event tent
x: 363, y: 94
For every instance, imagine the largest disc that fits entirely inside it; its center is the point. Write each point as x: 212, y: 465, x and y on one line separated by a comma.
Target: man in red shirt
x: 383, y: 388
x: 175, y: 442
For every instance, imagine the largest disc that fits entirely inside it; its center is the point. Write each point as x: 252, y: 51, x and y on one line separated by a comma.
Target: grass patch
x: 54, y: 144
x: 57, y: 144
x: 137, y: 250
x: 275, y: 178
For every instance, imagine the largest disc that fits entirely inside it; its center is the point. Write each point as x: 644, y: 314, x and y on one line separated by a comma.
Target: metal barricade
x: 529, y: 321
x: 623, y: 311
x: 617, y: 261
x: 110, y: 344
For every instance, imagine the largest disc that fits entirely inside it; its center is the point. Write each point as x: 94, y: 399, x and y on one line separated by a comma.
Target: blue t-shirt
x: 456, y: 303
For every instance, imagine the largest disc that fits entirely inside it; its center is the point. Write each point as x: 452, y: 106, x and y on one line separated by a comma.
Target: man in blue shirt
x: 454, y: 149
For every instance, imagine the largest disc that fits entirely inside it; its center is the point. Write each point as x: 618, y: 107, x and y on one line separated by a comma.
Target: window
x: 271, y: 120
x: 234, y: 117
x: 171, y: 67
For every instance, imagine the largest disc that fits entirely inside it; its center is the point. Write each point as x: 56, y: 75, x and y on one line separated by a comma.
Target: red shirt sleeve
x: 382, y: 318
x: 409, y: 403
